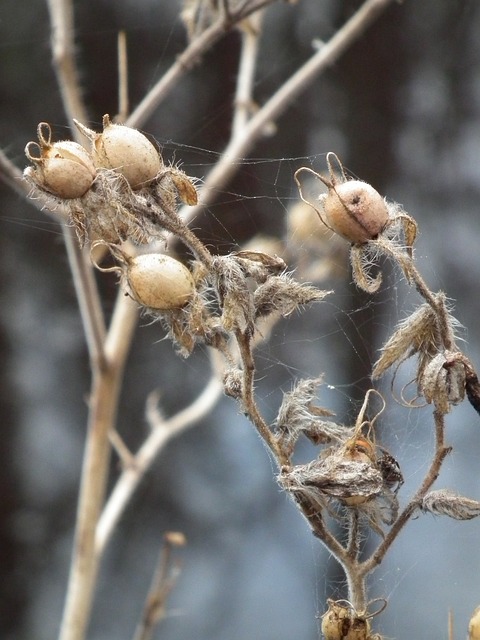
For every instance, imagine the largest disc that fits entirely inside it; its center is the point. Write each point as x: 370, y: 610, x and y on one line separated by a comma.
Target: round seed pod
x: 63, y: 168
x: 125, y: 150
x: 341, y: 623
x: 474, y: 625
x: 355, y: 210
x: 159, y: 282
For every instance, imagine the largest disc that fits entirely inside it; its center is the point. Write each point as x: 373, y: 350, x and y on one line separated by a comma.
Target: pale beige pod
x: 474, y: 625
x: 341, y: 623
x: 125, y: 150
x: 63, y: 168
x: 159, y: 282
x: 355, y: 210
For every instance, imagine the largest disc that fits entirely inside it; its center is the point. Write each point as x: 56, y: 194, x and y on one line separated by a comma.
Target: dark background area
x: 402, y: 110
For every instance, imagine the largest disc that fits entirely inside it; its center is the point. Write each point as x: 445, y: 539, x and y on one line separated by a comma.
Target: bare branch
x: 63, y: 50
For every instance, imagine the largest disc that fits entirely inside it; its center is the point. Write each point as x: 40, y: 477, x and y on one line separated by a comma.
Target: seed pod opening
x: 355, y: 210
x: 125, y: 150
x: 159, y: 282
x: 63, y: 168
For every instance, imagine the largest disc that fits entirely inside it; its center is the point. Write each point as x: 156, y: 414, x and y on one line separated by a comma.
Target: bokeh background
x: 402, y: 109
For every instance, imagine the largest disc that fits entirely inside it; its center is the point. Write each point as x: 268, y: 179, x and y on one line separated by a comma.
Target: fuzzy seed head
x: 64, y: 168
x: 127, y: 151
x: 355, y: 210
x: 159, y: 282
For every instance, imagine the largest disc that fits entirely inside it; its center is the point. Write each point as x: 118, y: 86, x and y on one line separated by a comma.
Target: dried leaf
x: 298, y: 415
x: 185, y: 187
x: 253, y: 260
x: 283, y: 295
x: 443, y: 382
x: 360, y: 270
x: 234, y: 294
x: 415, y: 333
x: 444, y: 502
x: 349, y: 481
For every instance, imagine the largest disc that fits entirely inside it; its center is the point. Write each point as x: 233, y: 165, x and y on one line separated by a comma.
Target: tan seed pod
x: 355, y: 210
x: 341, y: 622
x: 126, y: 150
x: 63, y: 168
x: 474, y: 625
x: 159, y: 282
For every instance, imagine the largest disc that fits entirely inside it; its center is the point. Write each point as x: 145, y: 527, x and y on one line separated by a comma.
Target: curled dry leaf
x: 283, y: 295
x: 234, y: 294
x: 443, y: 382
x: 361, y: 263
x: 298, y: 414
x: 443, y: 502
x: 417, y: 333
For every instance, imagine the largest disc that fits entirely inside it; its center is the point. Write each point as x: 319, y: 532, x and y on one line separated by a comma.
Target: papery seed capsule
x: 126, y: 150
x: 355, y: 210
x: 340, y: 623
x: 474, y: 625
x: 159, y: 282
x: 63, y: 168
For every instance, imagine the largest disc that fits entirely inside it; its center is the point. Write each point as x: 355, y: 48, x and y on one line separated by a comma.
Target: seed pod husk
x: 355, y: 210
x: 64, y: 169
x: 159, y: 282
x: 125, y: 150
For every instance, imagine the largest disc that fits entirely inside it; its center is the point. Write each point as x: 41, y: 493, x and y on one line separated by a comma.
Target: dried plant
x: 125, y: 205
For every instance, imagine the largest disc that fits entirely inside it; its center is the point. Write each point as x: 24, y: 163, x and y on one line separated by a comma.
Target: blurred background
x: 402, y: 110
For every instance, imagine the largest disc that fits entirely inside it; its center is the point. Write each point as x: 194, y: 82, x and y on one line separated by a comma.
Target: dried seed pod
x: 64, y: 169
x: 126, y: 150
x: 159, y: 282
x: 341, y: 622
x: 355, y: 210
x: 474, y: 625
x: 351, y: 208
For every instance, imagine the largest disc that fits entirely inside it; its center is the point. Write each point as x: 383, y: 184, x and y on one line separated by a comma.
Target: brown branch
x: 441, y: 451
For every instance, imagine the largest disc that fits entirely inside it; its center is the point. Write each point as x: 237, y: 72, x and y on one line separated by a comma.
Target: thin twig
x: 102, y: 418
x: 188, y: 59
x: 161, y: 433
x: 123, y: 101
x: 250, y: 30
x: 12, y: 176
x: 63, y: 50
x: 441, y: 451
x: 163, y: 581
x: 248, y: 398
x: 241, y: 144
x: 88, y: 299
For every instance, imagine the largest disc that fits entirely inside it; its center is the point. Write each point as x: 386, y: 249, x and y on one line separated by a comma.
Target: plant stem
x: 105, y: 391
x: 63, y: 52
x: 248, y: 398
x: 162, y: 432
x: 188, y: 59
x: 441, y: 451
x: 240, y: 144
